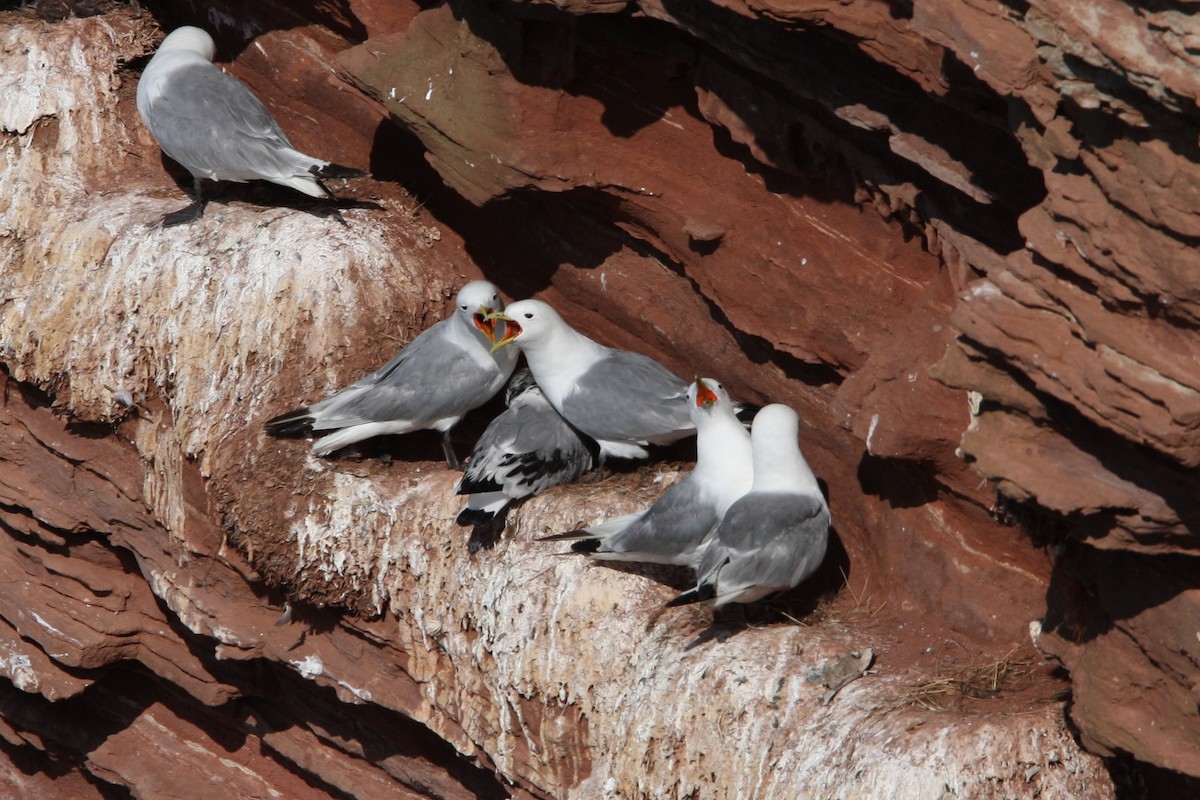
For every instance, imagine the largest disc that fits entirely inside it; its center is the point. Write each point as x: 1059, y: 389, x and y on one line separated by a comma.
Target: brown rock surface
x: 815, y: 203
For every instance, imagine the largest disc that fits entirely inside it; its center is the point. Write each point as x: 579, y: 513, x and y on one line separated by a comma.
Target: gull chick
x: 774, y: 536
x: 672, y: 530
x: 442, y: 374
x: 526, y: 449
x: 216, y: 128
x: 623, y: 400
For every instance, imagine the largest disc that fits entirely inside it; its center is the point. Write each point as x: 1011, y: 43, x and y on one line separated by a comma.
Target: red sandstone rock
x: 815, y: 204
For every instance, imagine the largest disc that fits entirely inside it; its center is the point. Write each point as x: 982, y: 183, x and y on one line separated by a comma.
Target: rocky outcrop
x: 952, y: 235
x: 1043, y: 155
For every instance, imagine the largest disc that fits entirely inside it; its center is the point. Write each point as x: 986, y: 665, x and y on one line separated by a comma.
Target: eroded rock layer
x: 953, y: 235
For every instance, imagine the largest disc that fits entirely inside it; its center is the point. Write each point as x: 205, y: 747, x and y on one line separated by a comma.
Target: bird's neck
x: 559, y: 360
x: 722, y: 441
x: 172, y: 60
x: 154, y: 77
x: 477, y: 345
x: 779, y: 467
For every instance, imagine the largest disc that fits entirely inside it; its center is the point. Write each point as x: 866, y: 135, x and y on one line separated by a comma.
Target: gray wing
x: 527, y: 449
x: 669, y: 532
x: 770, y: 540
x: 627, y: 396
x: 209, y: 121
x: 433, y: 378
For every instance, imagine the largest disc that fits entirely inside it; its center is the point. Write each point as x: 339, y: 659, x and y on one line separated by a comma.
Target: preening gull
x: 672, y: 530
x: 526, y: 449
x: 215, y: 127
x: 774, y: 536
x: 442, y: 374
x: 623, y: 400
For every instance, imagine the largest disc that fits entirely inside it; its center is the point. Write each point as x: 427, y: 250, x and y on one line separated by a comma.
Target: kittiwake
x: 442, y: 374
x: 216, y: 128
x: 775, y: 535
x: 672, y: 530
x: 623, y: 400
x: 526, y: 449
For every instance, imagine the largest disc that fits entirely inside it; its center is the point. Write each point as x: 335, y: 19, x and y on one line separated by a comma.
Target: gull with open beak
x: 623, y: 400
x: 443, y: 373
x: 673, y: 529
x: 775, y: 535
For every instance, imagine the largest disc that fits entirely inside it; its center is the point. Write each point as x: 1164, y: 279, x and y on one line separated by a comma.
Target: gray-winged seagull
x: 623, y: 400
x: 216, y: 128
x: 526, y: 449
x: 775, y: 535
x: 442, y: 374
x: 672, y: 530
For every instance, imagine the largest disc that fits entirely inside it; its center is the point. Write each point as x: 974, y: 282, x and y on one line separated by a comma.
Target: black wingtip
x: 558, y: 537
x: 293, y: 423
x: 746, y: 412
x: 586, y: 546
x: 332, y: 170
x: 705, y: 591
x: 467, y: 486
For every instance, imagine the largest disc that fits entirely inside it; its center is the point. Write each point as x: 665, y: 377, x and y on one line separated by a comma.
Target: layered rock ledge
x: 955, y: 236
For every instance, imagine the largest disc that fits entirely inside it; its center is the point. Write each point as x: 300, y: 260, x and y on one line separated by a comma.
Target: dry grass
x: 862, y: 605
x: 1005, y: 675
x: 848, y: 607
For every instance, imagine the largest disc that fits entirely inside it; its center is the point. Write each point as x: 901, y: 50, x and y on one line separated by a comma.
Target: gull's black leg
x: 189, y: 214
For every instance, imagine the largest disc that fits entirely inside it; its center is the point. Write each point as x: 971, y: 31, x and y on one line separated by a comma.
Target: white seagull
x: 526, y: 449
x: 623, y: 400
x: 442, y: 374
x: 672, y: 530
x: 216, y: 128
x: 775, y: 535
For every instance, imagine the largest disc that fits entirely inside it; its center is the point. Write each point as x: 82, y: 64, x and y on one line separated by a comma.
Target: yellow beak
x: 511, y: 329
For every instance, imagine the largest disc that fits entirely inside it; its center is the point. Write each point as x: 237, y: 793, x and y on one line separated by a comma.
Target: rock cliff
x: 956, y: 236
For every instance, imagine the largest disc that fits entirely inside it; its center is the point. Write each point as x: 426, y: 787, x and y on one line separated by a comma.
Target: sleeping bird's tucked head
x: 189, y: 39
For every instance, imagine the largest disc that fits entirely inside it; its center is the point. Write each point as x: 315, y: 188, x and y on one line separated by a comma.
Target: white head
x: 708, y: 399
x: 530, y: 322
x: 189, y: 39
x: 777, y: 421
x: 474, y: 302
x: 778, y: 464
x: 724, y: 455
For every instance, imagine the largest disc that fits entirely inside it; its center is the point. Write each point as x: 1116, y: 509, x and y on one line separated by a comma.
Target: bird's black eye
x: 464, y: 308
x: 528, y: 315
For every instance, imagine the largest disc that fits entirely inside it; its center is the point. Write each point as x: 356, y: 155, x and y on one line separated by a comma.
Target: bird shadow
x: 265, y: 196
x: 677, y: 577
x: 259, y: 194
x: 408, y: 447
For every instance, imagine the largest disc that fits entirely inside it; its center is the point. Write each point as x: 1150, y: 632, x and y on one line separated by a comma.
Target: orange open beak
x: 705, y: 396
x: 511, y: 329
x: 485, y: 323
